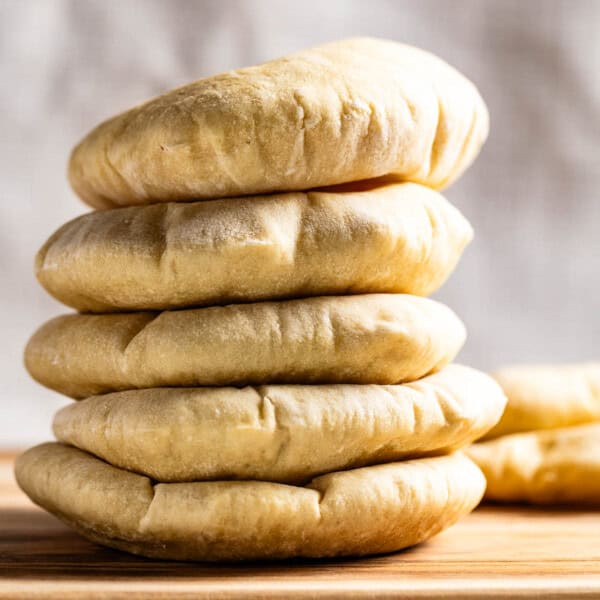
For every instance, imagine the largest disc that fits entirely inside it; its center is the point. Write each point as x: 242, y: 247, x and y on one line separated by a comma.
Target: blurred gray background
x: 528, y: 287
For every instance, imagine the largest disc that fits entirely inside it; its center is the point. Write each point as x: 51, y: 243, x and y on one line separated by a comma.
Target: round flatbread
x: 346, y: 111
x: 361, y: 511
x: 375, y: 338
x: 548, y: 396
x: 557, y: 466
x: 401, y: 238
x: 284, y: 433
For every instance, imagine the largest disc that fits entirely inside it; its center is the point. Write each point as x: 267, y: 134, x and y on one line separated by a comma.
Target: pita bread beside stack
x: 555, y: 466
x: 362, y: 511
x: 284, y: 433
x: 548, y: 396
x: 557, y: 460
x: 371, y: 338
x: 346, y: 111
x: 401, y: 238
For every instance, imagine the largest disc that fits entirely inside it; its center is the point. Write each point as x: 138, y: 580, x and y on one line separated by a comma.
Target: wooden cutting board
x: 493, y: 553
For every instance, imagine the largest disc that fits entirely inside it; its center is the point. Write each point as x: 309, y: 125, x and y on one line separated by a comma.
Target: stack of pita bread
x: 546, y: 447
x: 259, y: 372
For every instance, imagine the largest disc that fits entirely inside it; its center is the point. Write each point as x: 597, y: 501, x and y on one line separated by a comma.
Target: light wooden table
x: 494, y: 553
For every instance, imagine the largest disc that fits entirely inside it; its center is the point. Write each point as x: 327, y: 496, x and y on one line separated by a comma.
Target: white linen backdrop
x: 528, y: 286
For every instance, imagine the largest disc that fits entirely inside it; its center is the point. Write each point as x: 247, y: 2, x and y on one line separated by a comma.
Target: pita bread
x: 548, y: 396
x: 375, y: 338
x: 362, y: 511
x: 347, y: 111
x: 396, y: 238
x: 281, y: 433
x: 557, y: 466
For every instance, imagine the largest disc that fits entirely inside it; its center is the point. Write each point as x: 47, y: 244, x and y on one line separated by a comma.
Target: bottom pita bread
x: 361, y: 511
x: 560, y: 466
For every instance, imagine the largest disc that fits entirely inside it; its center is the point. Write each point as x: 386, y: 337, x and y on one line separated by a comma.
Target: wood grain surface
x: 493, y: 553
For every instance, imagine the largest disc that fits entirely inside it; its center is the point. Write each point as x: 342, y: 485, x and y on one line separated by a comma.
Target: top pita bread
x: 346, y: 111
x: 548, y: 397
